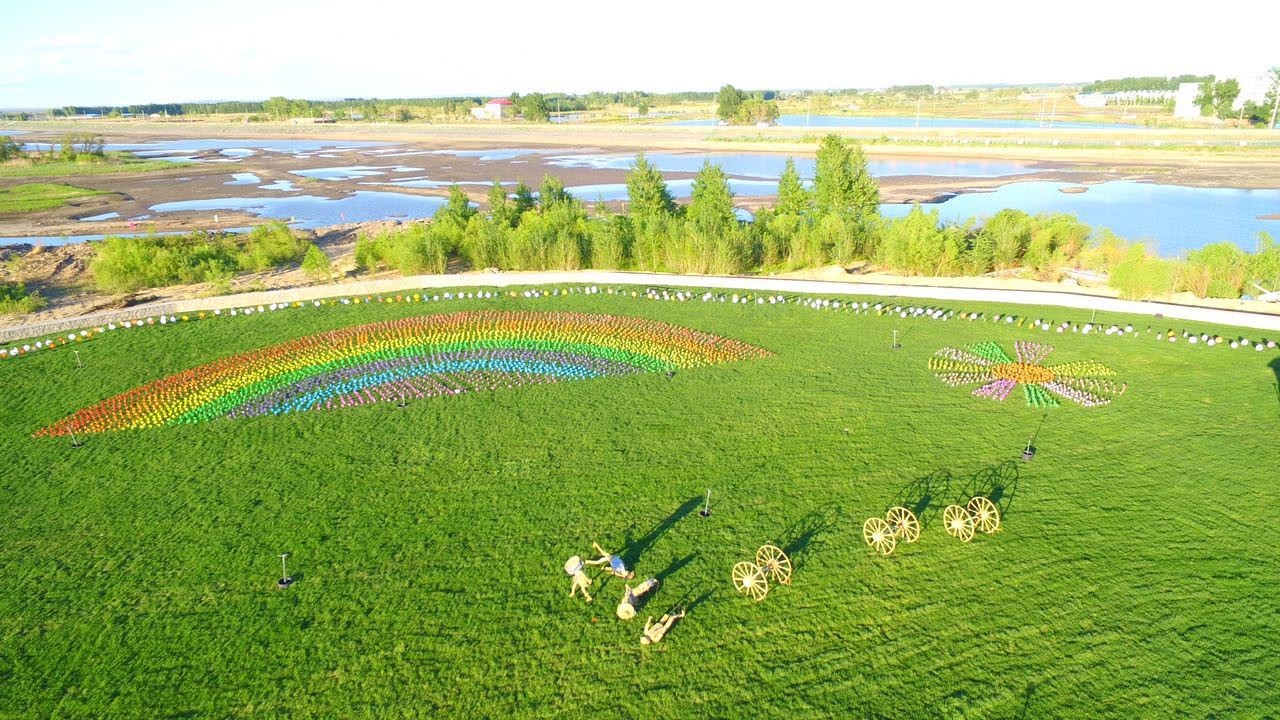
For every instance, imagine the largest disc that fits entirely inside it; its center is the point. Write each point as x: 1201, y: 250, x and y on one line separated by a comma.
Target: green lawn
x: 113, y: 163
x: 30, y: 197
x: 1136, y: 575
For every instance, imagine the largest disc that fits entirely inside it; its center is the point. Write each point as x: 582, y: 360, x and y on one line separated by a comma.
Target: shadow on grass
x: 998, y: 483
x: 799, y: 537
x: 636, y: 547
x: 1275, y: 368
x: 924, y: 496
x: 1026, y: 700
x: 690, y: 603
x: 675, y: 567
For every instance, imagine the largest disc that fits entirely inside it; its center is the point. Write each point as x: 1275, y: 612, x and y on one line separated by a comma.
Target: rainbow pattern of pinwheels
x: 987, y: 365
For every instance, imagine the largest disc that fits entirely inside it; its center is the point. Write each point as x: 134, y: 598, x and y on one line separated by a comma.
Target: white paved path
x: 1240, y: 318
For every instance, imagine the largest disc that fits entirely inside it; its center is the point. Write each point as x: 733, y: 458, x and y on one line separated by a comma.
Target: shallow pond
x: 54, y: 240
x: 679, y: 189
x: 493, y: 154
x: 769, y: 165
x: 1177, y: 218
x: 886, y: 121
x: 309, y: 211
x: 229, y: 150
x: 352, y: 172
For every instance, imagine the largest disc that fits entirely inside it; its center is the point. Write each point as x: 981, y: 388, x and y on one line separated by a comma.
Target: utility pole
x: 1275, y: 90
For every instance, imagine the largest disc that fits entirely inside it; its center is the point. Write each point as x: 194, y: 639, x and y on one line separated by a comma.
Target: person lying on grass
x: 616, y: 566
x: 627, y: 607
x: 654, y: 632
x: 574, y: 568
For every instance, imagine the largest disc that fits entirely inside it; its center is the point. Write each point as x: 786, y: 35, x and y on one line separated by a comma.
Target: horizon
x: 130, y: 53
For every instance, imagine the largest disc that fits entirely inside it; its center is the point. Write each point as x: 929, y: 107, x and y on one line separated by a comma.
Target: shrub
x: 126, y: 264
x: 15, y: 299
x: 1142, y: 276
x: 1216, y: 270
x: 411, y: 250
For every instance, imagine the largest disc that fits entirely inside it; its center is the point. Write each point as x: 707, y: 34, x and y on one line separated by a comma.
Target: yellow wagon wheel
x: 749, y: 579
x: 959, y: 522
x: 986, y: 516
x: 879, y: 535
x: 774, y: 563
x: 904, y: 524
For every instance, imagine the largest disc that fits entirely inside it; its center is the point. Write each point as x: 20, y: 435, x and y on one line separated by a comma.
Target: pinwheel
x: 1087, y: 383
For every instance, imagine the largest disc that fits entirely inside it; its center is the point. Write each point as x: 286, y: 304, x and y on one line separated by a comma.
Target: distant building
x: 492, y: 110
x: 1091, y: 100
x: 1184, y: 101
x: 1253, y: 88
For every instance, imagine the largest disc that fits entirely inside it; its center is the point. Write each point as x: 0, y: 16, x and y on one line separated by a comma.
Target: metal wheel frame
x: 750, y: 580
x: 877, y: 534
x: 904, y: 524
x: 775, y: 564
x: 986, y: 515
x: 958, y: 522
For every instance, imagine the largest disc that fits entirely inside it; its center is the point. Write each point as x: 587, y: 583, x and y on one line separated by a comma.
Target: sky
x: 81, y: 52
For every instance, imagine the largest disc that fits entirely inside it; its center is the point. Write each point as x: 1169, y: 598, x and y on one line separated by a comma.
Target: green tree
x: 728, y: 100
x: 524, y: 201
x: 458, y: 206
x: 793, y: 198
x: 316, y: 264
x: 534, y: 108
x: 552, y: 192
x: 277, y: 107
x: 711, y: 206
x: 501, y: 210
x: 754, y: 111
x: 1215, y: 98
x: 842, y: 182
x: 9, y: 149
x: 642, y: 106
x: 647, y: 194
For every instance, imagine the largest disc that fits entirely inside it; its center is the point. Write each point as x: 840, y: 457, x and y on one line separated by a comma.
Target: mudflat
x: 1222, y: 162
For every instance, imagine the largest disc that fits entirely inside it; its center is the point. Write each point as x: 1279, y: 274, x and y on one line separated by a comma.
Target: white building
x: 1253, y: 88
x: 1184, y: 102
x: 1091, y: 100
x: 491, y: 110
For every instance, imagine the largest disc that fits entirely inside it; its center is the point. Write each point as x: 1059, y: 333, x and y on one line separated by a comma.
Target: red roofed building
x: 494, y: 109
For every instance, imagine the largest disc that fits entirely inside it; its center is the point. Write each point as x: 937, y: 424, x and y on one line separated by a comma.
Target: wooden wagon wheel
x: 774, y: 563
x: 959, y: 522
x: 879, y: 535
x: 986, y: 516
x: 904, y: 524
x: 750, y: 580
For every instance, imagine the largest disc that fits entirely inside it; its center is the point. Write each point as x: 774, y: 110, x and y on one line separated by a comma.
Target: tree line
x: 835, y: 219
x: 1139, y: 83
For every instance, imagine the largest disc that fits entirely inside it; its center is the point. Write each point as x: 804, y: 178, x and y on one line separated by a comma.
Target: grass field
x: 1136, y: 575
x: 120, y: 162
x: 30, y: 197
